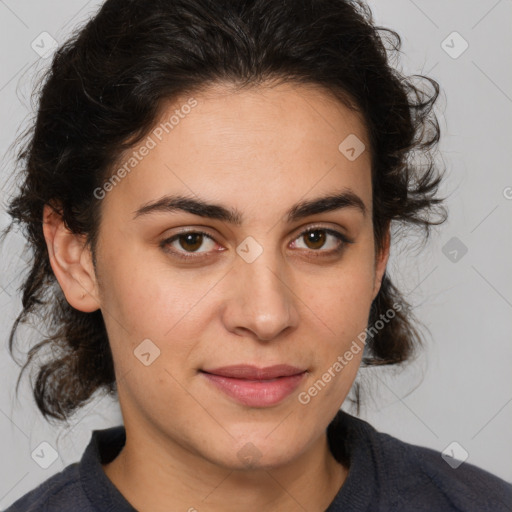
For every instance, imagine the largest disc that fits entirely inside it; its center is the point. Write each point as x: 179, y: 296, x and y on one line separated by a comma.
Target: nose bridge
x: 263, y: 302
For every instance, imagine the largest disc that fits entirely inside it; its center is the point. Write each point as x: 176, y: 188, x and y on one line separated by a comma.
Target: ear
x: 381, y: 260
x: 71, y: 262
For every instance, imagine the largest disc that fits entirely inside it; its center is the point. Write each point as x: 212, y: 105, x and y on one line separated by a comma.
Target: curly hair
x: 104, y: 91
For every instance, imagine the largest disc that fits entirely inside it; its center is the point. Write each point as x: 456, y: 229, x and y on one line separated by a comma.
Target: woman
x: 209, y: 191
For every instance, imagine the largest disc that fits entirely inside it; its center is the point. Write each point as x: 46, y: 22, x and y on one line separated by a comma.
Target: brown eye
x: 191, y: 241
x: 322, y: 241
x: 188, y: 244
x: 315, y: 239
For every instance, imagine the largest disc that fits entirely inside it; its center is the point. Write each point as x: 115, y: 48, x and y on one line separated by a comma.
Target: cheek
x: 145, y: 295
x: 341, y: 306
x: 346, y: 297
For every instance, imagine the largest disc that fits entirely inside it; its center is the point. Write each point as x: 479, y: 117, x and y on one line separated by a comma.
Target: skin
x: 259, y: 150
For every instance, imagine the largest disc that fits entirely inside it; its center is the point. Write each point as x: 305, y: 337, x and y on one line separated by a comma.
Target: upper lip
x: 245, y: 371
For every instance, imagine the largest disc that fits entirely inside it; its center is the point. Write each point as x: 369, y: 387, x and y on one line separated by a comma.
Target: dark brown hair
x: 104, y: 92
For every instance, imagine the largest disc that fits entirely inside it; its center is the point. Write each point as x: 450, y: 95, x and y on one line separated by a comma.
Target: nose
x: 261, y: 301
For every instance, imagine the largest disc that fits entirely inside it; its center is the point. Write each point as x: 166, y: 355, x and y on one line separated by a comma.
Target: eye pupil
x: 191, y: 239
x: 316, y: 237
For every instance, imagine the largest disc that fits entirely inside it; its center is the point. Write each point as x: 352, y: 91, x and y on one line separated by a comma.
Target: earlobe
x: 71, y: 262
x: 381, y: 262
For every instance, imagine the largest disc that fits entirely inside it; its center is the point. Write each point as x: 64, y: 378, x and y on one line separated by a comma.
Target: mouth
x: 253, y: 386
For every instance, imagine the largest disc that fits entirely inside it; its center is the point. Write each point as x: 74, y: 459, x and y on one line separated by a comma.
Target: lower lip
x: 254, y: 393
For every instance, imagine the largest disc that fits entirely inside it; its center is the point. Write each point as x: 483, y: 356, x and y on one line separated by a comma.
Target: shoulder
x: 422, y: 474
x: 62, y: 491
x: 81, y: 486
x: 387, y: 474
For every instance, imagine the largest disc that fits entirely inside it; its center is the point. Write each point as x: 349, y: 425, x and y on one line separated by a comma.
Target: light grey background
x: 460, y: 389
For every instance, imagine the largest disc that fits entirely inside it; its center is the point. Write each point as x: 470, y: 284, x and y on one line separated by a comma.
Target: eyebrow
x: 300, y: 210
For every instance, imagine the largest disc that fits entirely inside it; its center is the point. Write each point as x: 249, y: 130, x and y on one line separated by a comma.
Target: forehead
x: 256, y: 147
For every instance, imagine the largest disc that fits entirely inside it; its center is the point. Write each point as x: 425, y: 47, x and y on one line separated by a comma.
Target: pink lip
x: 256, y: 387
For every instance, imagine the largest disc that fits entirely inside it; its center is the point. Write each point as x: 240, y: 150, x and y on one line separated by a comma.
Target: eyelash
x: 315, y: 253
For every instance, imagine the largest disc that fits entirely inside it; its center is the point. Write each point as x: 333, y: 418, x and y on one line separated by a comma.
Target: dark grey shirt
x: 385, y: 474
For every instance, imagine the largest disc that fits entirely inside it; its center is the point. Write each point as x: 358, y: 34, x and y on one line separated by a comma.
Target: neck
x: 157, y: 480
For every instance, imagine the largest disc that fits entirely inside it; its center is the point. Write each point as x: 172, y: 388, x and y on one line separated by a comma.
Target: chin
x: 254, y: 452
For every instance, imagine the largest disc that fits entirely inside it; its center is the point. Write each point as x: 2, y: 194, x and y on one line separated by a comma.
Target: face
x: 260, y: 277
